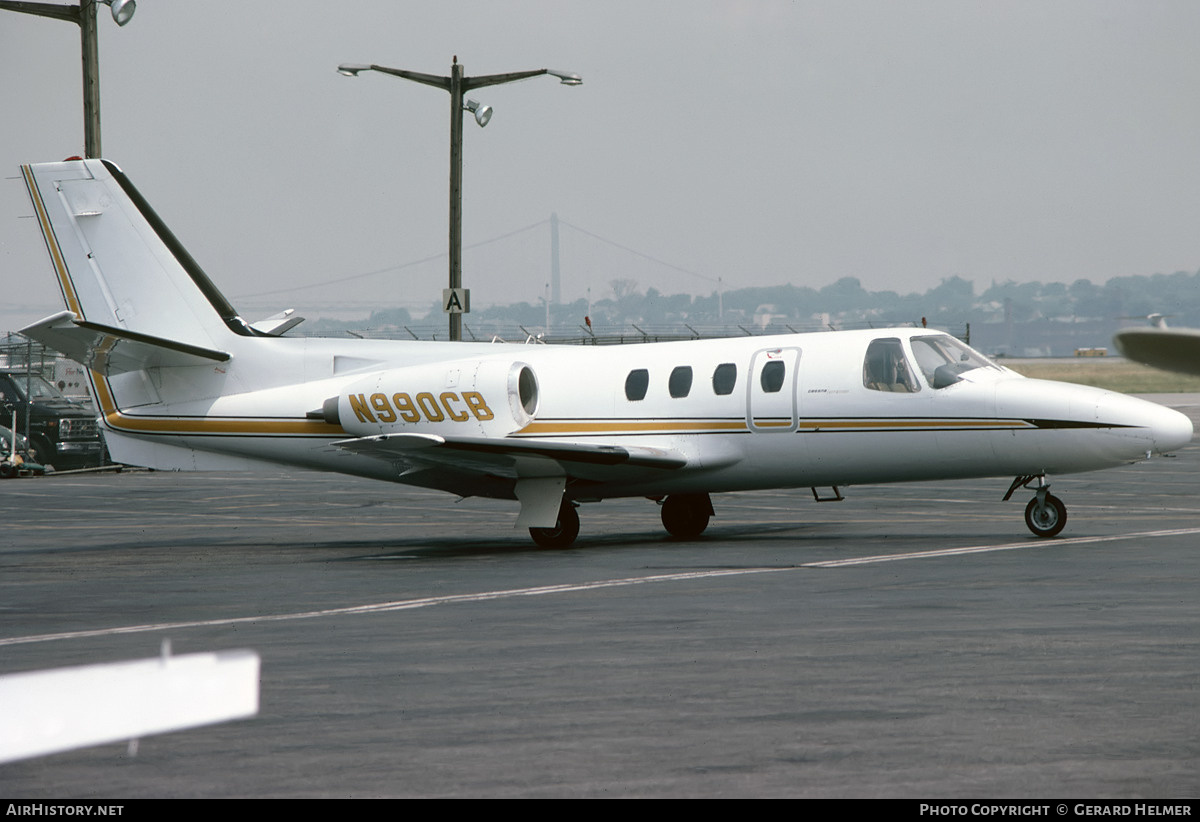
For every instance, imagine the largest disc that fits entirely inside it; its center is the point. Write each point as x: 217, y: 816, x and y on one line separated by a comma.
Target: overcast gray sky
x: 756, y: 142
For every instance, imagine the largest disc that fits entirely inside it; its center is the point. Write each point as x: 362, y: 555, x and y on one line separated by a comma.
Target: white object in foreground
x: 44, y: 712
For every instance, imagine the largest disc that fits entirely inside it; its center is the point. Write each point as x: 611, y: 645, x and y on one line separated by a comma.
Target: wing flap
x: 511, y: 457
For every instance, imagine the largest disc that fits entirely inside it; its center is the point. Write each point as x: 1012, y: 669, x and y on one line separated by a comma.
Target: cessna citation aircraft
x: 183, y: 382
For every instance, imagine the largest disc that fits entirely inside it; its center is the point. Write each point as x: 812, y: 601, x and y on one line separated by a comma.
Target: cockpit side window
x: 885, y: 368
x: 943, y: 359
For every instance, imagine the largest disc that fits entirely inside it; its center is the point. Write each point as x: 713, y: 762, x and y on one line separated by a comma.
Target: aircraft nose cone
x: 1171, y: 430
x: 1151, y: 427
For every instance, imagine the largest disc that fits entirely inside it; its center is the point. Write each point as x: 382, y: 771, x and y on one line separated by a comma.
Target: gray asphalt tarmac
x: 911, y: 641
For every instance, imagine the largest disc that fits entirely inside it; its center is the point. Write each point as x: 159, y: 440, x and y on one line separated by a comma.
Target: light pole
x: 458, y: 84
x: 83, y: 15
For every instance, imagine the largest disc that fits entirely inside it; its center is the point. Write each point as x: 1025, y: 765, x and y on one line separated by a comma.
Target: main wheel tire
x: 685, y: 516
x: 564, y: 532
x: 1049, y: 519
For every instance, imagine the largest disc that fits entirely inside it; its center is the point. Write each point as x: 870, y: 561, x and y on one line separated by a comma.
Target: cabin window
x: 885, y: 368
x: 942, y: 359
x: 724, y: 378
x: 680, y: 382
x: 772, y: 376
x: 636, y: 384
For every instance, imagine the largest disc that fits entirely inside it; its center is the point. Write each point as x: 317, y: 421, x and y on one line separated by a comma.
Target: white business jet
x: 183, y: 382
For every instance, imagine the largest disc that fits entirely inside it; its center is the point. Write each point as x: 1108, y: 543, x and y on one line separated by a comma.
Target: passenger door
x: 771, y: 404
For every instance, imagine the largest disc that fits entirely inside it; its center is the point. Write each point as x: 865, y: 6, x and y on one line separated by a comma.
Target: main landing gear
x: 565, y: 529
x: 1045, y: 514
x: 685, y: 516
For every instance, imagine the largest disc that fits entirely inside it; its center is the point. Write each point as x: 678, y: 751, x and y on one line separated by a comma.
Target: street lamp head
x: 482, y: 113
x: 352, y: 69
x: 122, y: 10
x: 566, y: 78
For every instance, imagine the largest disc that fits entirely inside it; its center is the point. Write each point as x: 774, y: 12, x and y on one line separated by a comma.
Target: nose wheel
x: 1045, y: 515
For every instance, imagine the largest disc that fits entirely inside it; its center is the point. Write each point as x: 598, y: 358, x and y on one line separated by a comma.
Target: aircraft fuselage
x: 822, y: 426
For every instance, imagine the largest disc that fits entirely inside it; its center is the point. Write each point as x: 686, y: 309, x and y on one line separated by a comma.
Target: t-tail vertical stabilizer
x: 148, y: 323
x: 130, y: 285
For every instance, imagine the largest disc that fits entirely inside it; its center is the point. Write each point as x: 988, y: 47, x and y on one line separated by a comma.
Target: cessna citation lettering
x: 182, y: 382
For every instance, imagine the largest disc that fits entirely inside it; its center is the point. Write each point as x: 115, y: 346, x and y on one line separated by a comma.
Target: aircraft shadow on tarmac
x: 800, y: 535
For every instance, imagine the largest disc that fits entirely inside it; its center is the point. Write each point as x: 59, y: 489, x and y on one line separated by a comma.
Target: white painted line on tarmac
x: 398, y: 605
x: 1009, y: 546
x: 486, y: 596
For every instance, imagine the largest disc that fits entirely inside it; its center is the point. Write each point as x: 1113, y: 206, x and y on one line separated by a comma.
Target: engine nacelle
x: 490, y: 398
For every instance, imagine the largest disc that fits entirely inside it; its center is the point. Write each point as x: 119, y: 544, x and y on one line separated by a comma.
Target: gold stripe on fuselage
x: 208, y: 426
x: 593, y: 427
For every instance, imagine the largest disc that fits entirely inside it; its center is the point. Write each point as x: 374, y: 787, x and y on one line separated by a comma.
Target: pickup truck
x: 63, y: 432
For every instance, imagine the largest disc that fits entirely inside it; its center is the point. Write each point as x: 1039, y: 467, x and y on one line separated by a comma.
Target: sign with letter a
x: 456, y: 300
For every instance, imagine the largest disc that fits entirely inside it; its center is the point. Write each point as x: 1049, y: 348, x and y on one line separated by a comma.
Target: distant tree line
x: 952, y: 302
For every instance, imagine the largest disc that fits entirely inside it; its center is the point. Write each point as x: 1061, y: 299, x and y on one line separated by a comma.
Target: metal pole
x: 91, y: 78
x: 456, y: 136
x: 555, y: 276
x: 83, y: 15
x: 457, y: 84
x: 28, y: 388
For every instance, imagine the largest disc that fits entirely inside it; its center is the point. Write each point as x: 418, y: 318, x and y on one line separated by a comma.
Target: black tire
x: 43, y: 451
x: 564, y: 532
x: 685, y: 516
x: 1048, y: 521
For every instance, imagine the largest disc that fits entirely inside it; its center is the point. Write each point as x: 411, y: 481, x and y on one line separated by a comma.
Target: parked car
x: 62, y: 432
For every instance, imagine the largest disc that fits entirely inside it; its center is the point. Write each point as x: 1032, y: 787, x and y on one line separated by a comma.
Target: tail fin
x: 124, y: 276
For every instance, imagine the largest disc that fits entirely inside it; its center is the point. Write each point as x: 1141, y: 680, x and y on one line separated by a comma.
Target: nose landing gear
x: 1045, y: 515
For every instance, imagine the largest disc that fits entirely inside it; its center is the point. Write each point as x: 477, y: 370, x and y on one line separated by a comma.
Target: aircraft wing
x: 115, y: 350
x: 1172, y: 349
x: 511, y: 457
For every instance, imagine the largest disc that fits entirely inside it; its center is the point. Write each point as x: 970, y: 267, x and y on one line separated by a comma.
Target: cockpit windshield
x: 943, y: 360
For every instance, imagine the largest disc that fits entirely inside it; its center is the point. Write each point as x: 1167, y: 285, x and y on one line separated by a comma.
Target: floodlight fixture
x: 482, y: 113
x: 122, y: 10
x: 566, y: 78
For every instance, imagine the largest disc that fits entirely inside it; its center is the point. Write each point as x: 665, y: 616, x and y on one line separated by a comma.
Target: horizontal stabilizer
x: 111, y: 350
x: 278, y: 324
